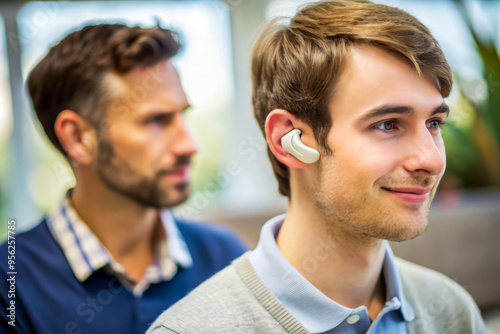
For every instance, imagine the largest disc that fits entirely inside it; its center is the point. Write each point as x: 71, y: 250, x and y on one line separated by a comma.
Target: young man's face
x: 388, y: 153
x: 145, y: 151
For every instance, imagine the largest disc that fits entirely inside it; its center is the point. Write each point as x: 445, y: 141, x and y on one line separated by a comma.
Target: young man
x: 365, y: 85
x: 111, y: 258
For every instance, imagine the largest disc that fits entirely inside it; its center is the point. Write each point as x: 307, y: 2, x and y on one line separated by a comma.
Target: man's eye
x: 159, y: 119
x: 386, y: 126
x: 435, y: 124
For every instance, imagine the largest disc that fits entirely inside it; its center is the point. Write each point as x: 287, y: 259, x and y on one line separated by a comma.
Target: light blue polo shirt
x: 313, y: 309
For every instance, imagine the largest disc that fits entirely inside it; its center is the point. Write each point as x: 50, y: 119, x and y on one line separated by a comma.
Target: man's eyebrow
x: 165, y: 111
x: 402, y: 110
x: 442, y: 109
x: 386, y: 110
x: 145, y: 114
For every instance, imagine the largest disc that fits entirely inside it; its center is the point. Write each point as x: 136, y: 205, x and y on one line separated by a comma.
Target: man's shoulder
x: 211, y: 236
x: 208, y: 228
x: 33, y: 249
x: 38, y: 269
x: 30, y: 240
x: 415, y: 276
x: 439, y: 302
x: 222, y: 296
x: 222, y: 304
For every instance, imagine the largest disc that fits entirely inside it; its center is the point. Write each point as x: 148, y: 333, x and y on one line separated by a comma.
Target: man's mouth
x: 181, y: 173
x: 410, y: 194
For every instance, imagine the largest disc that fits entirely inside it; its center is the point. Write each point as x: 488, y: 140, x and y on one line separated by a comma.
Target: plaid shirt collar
x: 86, y: 254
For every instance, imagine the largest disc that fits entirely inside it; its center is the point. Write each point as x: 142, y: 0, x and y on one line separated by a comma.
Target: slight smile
x: 414, y: 195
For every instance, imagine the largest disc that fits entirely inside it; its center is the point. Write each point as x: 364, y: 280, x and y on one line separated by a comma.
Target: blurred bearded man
x: 112, y: 257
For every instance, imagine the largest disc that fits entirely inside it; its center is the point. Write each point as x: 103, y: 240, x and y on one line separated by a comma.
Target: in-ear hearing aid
x: 292, y: 144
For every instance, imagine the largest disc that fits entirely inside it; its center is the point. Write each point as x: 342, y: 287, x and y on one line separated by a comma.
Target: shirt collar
x: 86, y: 254
x: 177, y: 248
x: 302, y: 299
x: 394, y: 285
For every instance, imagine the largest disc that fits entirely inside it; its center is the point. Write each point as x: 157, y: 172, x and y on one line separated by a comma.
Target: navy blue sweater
x: 50, y: 299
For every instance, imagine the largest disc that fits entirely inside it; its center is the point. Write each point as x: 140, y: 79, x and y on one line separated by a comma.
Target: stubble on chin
x: 360, y: 219
x: 119, y: 176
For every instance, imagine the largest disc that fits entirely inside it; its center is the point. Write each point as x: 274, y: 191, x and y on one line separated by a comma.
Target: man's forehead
x: 364, y: 57
x: 143, y: 80
x: 143, y: 86
x: 142, y: 76
x: 161, y: 70
x: 373, y: 77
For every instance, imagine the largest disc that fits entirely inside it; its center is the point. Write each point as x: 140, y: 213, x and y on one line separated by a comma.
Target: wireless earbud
x: 292, y: 144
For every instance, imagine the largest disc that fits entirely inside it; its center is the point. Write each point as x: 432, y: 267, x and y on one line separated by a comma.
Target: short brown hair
x: 296, y: 66
x: 71, y: 74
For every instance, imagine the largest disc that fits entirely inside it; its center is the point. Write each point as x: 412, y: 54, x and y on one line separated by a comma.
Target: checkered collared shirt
x: 86, y: 254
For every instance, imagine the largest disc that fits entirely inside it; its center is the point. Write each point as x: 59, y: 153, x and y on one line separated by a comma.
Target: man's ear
x: 279, y: 122
x: 77, y: 137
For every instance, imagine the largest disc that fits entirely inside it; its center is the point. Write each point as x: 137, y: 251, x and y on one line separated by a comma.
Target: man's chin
x: 162, y: 199
x: 410, y: 231
x: 174, y: 197
x: 174, y: 202
x: 398, y: 226
x: 405, y: 236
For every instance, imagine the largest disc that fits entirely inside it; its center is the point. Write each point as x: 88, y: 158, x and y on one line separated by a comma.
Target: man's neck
x: 345, y: 267
x: 126, y: 228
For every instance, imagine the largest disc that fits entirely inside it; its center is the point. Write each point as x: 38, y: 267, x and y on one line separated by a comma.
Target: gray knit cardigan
x: 236, y: 301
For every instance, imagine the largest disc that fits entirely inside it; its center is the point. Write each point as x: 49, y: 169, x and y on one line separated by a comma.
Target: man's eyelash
x: 393, y: 121
x: 440, y: 122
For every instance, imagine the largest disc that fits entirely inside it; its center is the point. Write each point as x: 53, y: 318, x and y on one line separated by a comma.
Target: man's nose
x: 184, y: 143
x: 425, y: 153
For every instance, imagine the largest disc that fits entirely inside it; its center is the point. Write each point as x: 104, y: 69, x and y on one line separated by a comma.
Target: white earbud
x: 292, y: 144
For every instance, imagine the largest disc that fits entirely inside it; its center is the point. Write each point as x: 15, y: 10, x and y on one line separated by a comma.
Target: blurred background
x: 233, y: 183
